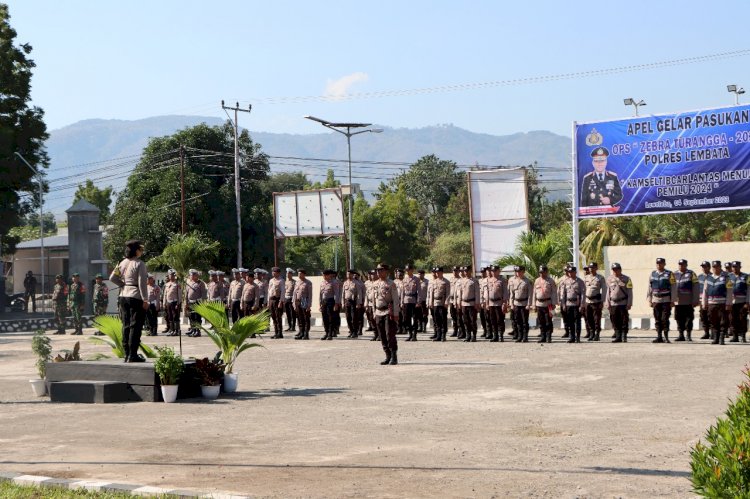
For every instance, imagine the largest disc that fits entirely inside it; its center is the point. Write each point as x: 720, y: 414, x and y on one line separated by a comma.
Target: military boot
x: 689, y: 335
x: 525, y: 336
x: 735, y: 338
x: 624, y: 335
x: 618, y: 336
x: 706, y: 335
x: 681, y: 337
x: 658, y: 337
x: 596, y: 336
x: 387, y: 358
x: 394, y: 358
x: 567, y: 334
x: 549, y: 336
x: 495, y: 337
x: 666, y: 336
x: 375, y: 337
x: 474, y: 336
x: 543, y: 338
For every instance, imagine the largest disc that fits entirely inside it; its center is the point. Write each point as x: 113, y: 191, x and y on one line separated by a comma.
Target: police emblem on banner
x: 594, y: 138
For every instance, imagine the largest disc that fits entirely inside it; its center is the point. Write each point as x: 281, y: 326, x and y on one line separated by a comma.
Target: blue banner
x: 693, y: 161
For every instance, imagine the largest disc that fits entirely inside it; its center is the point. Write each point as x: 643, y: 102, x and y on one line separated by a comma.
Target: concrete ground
x: 454, y: 419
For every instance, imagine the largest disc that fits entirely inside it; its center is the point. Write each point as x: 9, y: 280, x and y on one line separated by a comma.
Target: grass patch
x: 9, y: 490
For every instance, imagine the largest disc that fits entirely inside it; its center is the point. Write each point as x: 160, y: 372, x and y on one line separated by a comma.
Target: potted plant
x: 210, y: 373
x: 168, y: 366
x: 111, y: 328
x: 41, y: 346
x: 231, y: 341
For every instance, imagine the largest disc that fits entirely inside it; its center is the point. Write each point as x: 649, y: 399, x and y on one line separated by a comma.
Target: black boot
x: 394, y: 359
x: 666, y: 337
x: 566, y: 335
x: 596, y: 336
x: 625, y: 336
x: 689, y: 335
x: 543, y: 338
x: 502, y: 337
x: 375, y: 338
x: 658, y: 337
x: 549, y: 336
x: 681, y: 337
x: 306, y: 336
x: 495, y: 337
x: 474, y: 336
x: 325, y: 336
x: 618, y: 337
x: 387, y: 358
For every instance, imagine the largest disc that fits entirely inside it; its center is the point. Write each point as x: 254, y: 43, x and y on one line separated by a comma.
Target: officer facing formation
x: 662, y: 292
x: 619, y: 300
x: 387, y: 307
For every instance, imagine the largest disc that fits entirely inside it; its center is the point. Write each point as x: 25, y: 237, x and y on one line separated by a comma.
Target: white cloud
x: 339, y: 88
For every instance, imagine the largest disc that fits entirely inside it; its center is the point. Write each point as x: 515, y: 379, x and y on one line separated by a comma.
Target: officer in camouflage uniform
x: 100, y: 297
x: 76, y: 300
x: 59, y: 297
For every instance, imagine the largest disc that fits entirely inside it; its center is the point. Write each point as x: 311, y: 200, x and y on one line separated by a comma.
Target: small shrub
x: 68, y: 355
x: 721, y: 466
x: 42, y: 347
x: 168, y: 365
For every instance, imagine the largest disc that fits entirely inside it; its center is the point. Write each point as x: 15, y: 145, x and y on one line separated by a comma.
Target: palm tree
x: 533, y: 250
x: 186, y: 251
x: 601, y: 232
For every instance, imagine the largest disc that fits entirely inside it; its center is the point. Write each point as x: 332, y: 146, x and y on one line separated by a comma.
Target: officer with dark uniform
x: 688, y: 297
x: 619, y: 300
x: 740, y: 282
x: 100, y: 298
x: 59, y: 298
x: 76, y: 300
x: 662, y: 292
x: 717, y: 299
x: 600, y: 187
x: 705, y: 323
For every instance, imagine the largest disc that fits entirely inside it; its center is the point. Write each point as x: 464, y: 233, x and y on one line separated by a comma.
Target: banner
x: 693, y: 161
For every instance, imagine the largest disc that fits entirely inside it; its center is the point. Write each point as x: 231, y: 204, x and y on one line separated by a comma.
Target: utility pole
x: 182, y: 186
x: 236, y: 110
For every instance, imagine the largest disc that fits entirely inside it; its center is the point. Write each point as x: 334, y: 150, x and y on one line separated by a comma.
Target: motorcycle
x: 16, y: 302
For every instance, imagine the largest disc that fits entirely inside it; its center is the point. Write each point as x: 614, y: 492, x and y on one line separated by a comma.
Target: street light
x: 340, y: 127
x: 41, y: 222
x: 631, y: 102
x: 737, y: 91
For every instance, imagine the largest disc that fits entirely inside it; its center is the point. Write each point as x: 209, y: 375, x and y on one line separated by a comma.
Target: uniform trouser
x: 565, y: 321
x: 424, y: 315
x: 152, y: 315
x: 483, y: 319
x: 440, y: 322
x: 100, y: 309
x: 75, y: 312
x: 329, y: 321
x: 236, y: 310
x: 370, y: 317
x: 277, y: 314
x: 513, y: 323
x: 662, y: 312
x: 594, y: 318
x: 739, y: 320
x: 387, y: 331
x: 573, y: 315
x: 544, y: 318
x: 408, y: 312
x: 60, y: 310
x: 705, y: 322
x: 419, y: 313
x: 469, y: 314
x: 350, y: 310
x: 620, y: 318
x: 461, y: 322
x: 522, y: 322
x: 454, y: 318
x: 30, y: 297
x: 303, y: 319
x: 194, y: 318
x: 360, y: 313
x: 132, y: 316
x: 684, y: 315
x: 497, y: 320
x: 173, y: 316
x: 718, y: 316
x: 291, y: 317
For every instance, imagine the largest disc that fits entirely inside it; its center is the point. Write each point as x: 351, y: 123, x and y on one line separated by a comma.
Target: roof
x: 60, y: 241
x: 82, y: 206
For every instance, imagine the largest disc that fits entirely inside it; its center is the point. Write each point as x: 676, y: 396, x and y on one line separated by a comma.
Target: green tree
x: 186, y: 251
x: 101, y: 198
x: 533, y: 250
x: 450, y: 248
x: 600, y: 232
x: 22, y: 130
x: 149, y: 207
x: 456, y: 216
x: 29, y: 228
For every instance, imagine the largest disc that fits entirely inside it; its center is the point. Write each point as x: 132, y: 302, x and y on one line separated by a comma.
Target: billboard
x: 308, y: 213
x: 499, y: 213
x: 670, y: 163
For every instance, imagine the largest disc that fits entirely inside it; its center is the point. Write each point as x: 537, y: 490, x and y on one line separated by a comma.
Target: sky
x: 136, y: 59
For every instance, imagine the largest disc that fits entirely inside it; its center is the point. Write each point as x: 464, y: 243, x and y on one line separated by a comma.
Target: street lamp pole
x: 41, y: 221
x: 237, y: 207
x: 737, y: 91
x: 346, y: 129
x: 632, y: 102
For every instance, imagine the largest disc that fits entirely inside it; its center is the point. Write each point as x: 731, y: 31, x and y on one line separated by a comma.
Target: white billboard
x: 308, y: 213
x: 499, y: 213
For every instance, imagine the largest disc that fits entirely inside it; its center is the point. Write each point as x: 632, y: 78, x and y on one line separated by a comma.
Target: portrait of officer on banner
x: 600, y: 187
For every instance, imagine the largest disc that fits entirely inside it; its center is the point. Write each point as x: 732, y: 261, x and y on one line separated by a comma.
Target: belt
x: 382, y: 308
x: 469, y: 299
x: 543, y: 299
x: 412, y: 294
x: 572, y: 303
x: 191, y: 302
x: 620, y: 302
x: 662, y: 293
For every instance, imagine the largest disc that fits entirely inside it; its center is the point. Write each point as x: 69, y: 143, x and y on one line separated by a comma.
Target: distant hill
x: 78, y: 149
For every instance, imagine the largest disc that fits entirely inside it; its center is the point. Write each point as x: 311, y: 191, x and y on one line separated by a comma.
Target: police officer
x: 276, y: 294
x: 409, y: 299
x: 468, y: 295
x: 453, y: 309
x: 688, y: 297
x: 351, y: 300
x: 600, y: 187
x: 131, y: 276
x: 59, y: 297
x: 369, y: 303
x: 234, y: 295
x: 302, y: 302
x: 560, y: 301
x: 398, y: 277
x: 717, y: 299
x: 250, y: 299
x: 360, y: 310
x: 705, y: 322
x: 171, y: 299
x: 521, y: 291
x: 154, y: 304
x: 573, y: 302
x: 387, y: 306
x: 100, y: 297
x: 544, y: 301
x: 482, y: 282
x: 195, y: 291
x: 214, y: 286
x: 422, y: 312
x: 595, y: 287
x: 662, y: 292
x: 496, y: 302
x: 740, y: 282
x: 330, y: 302
x: 619, y: 300
x: 76, y: 300
x: 289, y: 284
x: 438, y: 296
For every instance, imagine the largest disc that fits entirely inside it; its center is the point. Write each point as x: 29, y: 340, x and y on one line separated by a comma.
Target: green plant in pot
x: 41, y: 345
x: 231, y: 341
x: 168, y: 366
x: 210, y: 373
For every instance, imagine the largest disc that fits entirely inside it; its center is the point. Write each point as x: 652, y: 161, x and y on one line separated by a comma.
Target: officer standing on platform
x: 387, y: 307
x: 619, y: 300
x: 275, y: 293
x: 330, y: 302
x: 740, y: 283
x: 438, y: 294
x: 409, y: 296
x: 289, y: 284
x: 195, y: 291
x: 302, y: 302
x: 171, y: 299
x: 688, y: 297
x: 595, y: 287
x: 520, y: 290
x: 234, y: 297
x: 544, y: 302
x: 573, y: 301
x: 717, y: 299
x: 496, y: 302
x: 705, y: 322
x: 59, y: 298
x: 662, y: 292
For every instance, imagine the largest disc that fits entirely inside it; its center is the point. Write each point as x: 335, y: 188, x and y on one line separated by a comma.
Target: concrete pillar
x: 84, y: 244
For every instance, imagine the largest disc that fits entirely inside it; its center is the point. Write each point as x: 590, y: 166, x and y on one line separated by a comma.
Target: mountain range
x: 85, y: 150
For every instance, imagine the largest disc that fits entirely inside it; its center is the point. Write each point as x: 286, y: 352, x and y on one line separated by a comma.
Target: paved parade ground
x: 324, y: 419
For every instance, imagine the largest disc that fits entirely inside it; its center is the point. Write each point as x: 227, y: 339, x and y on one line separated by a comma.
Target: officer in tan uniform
x: 369, y: 303
x: 562, y: 305
x: 275, y: 294
x: 154, y: 304
x: 302, y: 300
x: 351, y: 300
x: 482, y: 282
x: 496, y: 302
x: 387, y: 306
x: 234, y: 296
x: 195, y: 291
x: 409, y: 299
x: 521, y: 291
x: 171, y: 299
x: 250, y: 298
x: 291, y: 316
x: 438, y: 296
x: 573, y: 302
x: 422, y: 312
x: 360, y: 310
x: 688, y: 297
x: 468, y: 294
x: 618, y: 300
x: 544, y: 302
x: 595, y: 287
x: 330, y: 302
x: 455, y: 315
